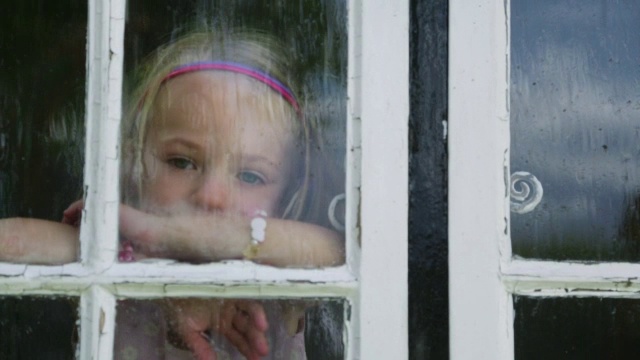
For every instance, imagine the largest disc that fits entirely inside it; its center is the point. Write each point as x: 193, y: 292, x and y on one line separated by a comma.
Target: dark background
x: 428, y: 272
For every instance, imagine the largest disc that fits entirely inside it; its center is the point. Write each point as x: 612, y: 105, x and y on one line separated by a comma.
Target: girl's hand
x: 242, y: 322
x: 73, y: 214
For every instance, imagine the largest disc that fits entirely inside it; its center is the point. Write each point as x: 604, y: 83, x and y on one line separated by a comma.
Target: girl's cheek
x: 161, y: 191
x: 266, y: 200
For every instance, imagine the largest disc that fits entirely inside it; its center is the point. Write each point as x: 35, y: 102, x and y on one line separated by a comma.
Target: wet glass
x: 575, y: 134
x: 282, y: 329
x: 234, y: 121
x: 42, y: 87
x: 38, y: 328
x: 576, y: 328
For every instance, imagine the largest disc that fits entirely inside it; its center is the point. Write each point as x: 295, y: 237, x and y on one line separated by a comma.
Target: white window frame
x: 484, y: 276
x: 373, y: 282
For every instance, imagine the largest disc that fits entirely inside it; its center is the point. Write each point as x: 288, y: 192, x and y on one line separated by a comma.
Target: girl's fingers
x: 248, y: 332
x: 258, y: 341
x: 187, y: 320
x: 250, y: 314
x: 73, y: 214
x: 255, y: 314
x: 252, y: 345
x: 240, y: 342
x: 199, y: 345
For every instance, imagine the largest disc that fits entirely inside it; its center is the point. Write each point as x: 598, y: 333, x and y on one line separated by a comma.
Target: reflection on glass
x: 233, y: 133
x: 38, y: 328
x: 575, y: 67
x: 576, y: 328
x: 230, y: 328
x: 42, y: 82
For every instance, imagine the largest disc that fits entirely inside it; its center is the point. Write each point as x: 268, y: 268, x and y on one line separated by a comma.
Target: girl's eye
x: 251, y: 178
x: 182, y: 163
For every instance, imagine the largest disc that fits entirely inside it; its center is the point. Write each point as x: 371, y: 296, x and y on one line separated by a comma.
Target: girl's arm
x: 204, y: 238
x: 35, y: 241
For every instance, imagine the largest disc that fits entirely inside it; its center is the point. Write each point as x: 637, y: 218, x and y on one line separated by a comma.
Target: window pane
x: 234, y: 132
x: 277, y: 329
x: 38, y: 328
x: 42, y: 86
x: 575, y: 67
x: 576, y: 328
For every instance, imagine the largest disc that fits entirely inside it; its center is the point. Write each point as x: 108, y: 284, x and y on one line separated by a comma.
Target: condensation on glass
x: 234, y: 121
x: 575, y: 134
x: 233, y: 328
x: 34, y: 327
x: 576, y: 328
x: 42, y: 52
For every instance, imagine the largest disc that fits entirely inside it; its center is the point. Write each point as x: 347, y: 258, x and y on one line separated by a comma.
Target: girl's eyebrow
x: 171, y: 140
x: 255, y: 158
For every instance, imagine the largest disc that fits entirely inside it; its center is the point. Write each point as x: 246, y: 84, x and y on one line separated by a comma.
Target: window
x: 376, y: 219
x: 517, y: 276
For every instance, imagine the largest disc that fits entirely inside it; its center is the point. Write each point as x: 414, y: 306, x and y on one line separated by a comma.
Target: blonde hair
x: 252, y: 49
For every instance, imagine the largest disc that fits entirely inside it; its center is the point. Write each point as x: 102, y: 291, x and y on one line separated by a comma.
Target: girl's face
x: 217, y: 142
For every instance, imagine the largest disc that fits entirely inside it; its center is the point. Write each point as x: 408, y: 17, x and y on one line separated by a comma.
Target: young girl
x: 219, y: 163
x: 218, y: 143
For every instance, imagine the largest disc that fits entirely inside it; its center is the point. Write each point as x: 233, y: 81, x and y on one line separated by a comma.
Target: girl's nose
x: 213, y: 193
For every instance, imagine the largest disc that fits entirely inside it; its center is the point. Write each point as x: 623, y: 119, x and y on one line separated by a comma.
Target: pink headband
x: 264, y: 78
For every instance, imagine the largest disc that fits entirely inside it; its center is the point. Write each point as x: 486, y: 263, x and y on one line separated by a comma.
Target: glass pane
x: 575, y: 138
x: 38, y: 328
x: 231, y: 328
x: 234, y: 132
x: 576, y: 328
x: 42, y: 86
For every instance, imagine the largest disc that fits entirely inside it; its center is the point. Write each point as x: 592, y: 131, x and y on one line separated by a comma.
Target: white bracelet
x: 258, y: 227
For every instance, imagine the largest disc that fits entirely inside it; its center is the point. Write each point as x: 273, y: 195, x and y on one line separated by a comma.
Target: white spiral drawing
x: 526, y: 192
